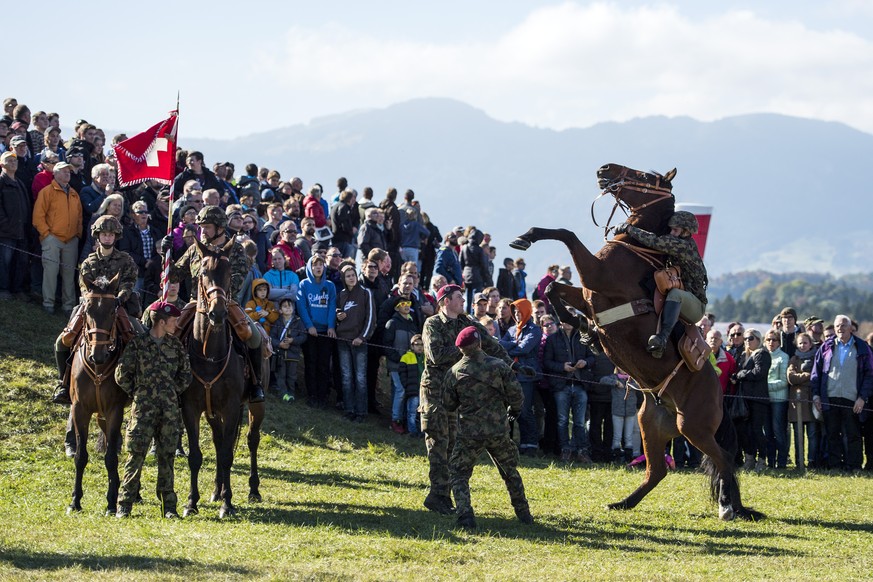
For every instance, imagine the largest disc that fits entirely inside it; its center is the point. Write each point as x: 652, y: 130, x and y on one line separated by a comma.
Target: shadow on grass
x: 835, y: 525
x: 24, y: 559
x: 335, y: 479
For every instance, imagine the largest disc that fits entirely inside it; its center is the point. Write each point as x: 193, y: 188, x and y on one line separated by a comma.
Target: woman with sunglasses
x: 752, y: 379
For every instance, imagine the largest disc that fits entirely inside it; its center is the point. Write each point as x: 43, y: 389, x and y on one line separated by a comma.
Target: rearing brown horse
x: 617, y: 288
x: 218, y: 385
x: 93, y: 388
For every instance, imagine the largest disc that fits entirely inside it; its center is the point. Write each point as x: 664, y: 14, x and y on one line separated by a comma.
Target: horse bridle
x: 90, y: 333
x: 623, y: 182
x: 206, y: 299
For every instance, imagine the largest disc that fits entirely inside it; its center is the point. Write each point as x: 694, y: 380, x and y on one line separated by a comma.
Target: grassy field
x: 343, y: 502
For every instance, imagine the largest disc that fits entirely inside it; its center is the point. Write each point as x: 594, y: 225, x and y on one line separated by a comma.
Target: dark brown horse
x: 617, y: 288
x: 93, y: 388
x: 218, y: 385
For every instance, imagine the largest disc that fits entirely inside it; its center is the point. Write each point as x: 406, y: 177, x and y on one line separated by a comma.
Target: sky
x: 244, y: 68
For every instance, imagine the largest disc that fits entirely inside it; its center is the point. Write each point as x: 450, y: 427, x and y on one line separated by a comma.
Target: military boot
x: 669, y: 317
x: 62, y: 389
x: 523, y: 515
x: 467, y: 521
x: 256, y: 390
x: 441, y: 504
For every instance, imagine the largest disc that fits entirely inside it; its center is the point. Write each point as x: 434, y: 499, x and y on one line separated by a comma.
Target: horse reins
x: 206, y: 296
x: 89, y: 340
x: 661, y: 192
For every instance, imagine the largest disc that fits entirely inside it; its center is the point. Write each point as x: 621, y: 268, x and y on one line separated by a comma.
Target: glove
x: 621, y: 228
x: 166, y: 243
x: 512, y: 415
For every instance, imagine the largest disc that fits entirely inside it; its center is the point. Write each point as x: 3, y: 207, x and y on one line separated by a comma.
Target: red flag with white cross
x: 150, y: 155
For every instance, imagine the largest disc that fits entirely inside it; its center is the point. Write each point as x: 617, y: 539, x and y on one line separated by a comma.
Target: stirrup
x: 656, y: 346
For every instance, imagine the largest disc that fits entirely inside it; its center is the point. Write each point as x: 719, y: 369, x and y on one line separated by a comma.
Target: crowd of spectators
x: 342, y: 284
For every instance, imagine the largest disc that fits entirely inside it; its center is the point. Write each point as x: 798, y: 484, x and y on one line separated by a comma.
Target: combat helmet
x: 106, y: 223
x: 212, y: 215
x: 683, y: 219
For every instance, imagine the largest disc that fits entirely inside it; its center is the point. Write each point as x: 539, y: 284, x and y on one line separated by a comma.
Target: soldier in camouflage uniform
x: 484, y: 391
x: 213, y: 222
x: 154, y: 370
x: 107, y: 261
x: 682, y: 251
x: 439, y: 426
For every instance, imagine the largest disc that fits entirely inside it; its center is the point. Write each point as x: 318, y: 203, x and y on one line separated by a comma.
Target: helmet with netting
x: 683, y: 219
x: 212, y: 215
x: 106, y: 223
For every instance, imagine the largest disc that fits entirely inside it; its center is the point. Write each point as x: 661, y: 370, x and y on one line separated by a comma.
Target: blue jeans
x: 410, y: 254
x: 527, y: 422
x: 812, y: 437
x: 397, y: 394
x: 12, y: 280
x: 776, y: 431
x: 412, y: 415
x: 573, y: 398
x: 353, y: 368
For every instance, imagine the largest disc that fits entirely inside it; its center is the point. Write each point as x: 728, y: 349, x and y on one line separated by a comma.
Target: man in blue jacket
x: 316, y: 305
x: 522, y: 344
x: 841, y: 384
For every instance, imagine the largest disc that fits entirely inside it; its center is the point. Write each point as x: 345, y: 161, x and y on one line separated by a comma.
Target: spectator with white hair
x: 101, y: 186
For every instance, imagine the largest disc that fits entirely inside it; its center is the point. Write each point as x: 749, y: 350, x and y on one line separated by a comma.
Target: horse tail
x: 726, y: 437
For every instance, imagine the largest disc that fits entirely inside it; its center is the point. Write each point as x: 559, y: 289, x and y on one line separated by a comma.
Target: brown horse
x: 218, y: 386
x: 93, y: 388
x: 617, y: 288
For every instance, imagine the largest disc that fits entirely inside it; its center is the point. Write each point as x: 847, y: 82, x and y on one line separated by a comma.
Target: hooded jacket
x: 522, y: 341
x: 357, y: 304
x: 474, y: 263
x: 262, y: 311
x: 316, y: 301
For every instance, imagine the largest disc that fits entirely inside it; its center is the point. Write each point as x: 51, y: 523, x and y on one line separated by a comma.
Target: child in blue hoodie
x: 316, y: 306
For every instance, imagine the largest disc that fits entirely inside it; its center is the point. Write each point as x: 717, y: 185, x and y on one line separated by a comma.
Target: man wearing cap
x: 815, y: 328
x: 789, y: 331
x: 14, y: 226
x: 27, y: 164
x: 154, y: 370
x: 483, y: 390
x: 212, y: 222
x: 57, y: 217
x: 78, y: 171
x: 439, y: 335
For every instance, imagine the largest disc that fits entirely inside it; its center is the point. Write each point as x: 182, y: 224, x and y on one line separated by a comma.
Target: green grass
x: 343, y: 502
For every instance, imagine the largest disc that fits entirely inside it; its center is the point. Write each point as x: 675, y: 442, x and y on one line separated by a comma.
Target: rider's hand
x: 621, y: 228
x: 166, y: 243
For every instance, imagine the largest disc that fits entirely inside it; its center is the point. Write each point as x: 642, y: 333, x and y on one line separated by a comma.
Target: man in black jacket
x: 14, y: 225
x: 196, y: 171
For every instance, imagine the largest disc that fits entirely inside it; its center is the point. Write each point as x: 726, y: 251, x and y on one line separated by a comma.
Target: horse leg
x: 560, y: 295
x: 587, y: 265
x: 256, y: 417
x: 81, y: 420
x: 191, y: 417
x: 113, y: 440
x: 225, y: 463
x: 217, y: 432
x: 657, y: 427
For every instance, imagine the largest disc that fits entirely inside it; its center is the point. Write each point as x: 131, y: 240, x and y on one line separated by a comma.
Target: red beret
x: 446, y: 290
x: 165, y: 308
x: 468, y: 336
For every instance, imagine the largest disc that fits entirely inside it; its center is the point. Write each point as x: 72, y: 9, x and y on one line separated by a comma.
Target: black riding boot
x: 669, y: 318
x: 256, y: 391
x: 62, y: 390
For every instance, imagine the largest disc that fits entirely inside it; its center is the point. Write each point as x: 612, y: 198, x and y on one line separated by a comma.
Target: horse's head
x: 98, y: 307
x: 647, y: 196
x: 214, y: 280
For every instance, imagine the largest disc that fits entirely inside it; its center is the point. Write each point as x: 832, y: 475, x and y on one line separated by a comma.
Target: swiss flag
x: 150, y: 155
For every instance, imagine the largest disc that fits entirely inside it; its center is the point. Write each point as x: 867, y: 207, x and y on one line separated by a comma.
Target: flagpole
x: 165, y: 288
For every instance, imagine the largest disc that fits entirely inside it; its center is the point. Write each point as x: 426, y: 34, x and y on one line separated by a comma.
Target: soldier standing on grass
x: 440, y: 426
x: 484, y: 391
x: 154, y: 370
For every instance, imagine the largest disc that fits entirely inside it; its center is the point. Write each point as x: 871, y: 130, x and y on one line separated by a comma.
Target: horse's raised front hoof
x: 226, y: 511
x: 620, y: 506
x: 189, y: 511
x: 520, y: 244
x: 255, y: 497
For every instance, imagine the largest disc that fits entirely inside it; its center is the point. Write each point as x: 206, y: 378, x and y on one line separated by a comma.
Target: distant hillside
x: 736, y: 284
x: 785, y: 190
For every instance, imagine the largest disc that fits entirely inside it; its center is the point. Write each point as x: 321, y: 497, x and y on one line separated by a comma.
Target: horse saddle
x: 692, y: 345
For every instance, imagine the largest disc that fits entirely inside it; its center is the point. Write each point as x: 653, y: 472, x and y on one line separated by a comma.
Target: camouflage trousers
x: 504, y: 455
x: 161, y: 420
x: 440, y: 429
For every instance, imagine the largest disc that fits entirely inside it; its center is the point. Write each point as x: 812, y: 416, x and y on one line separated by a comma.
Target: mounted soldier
x: 681, y: 250
x: 213, y: 223
x: 106, y: 261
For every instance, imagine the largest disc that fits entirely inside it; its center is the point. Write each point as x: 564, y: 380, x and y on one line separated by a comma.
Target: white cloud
x: 571, y: 65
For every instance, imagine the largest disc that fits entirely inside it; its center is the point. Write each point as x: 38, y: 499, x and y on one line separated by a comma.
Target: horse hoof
x: 72, y: 509
x: 226, y: 512
x: 620, y: 506
x: 520, y: 244
x: 726, y: 513
x: 189, y: 511
x: 110, y: 512
x: 215, y: 497
x: 255, y: 498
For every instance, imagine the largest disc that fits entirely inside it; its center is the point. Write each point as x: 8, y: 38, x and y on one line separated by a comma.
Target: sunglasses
x: 750, y: 338
x: 736, y: 335
x: 142, y: 212
x: 335, y: 255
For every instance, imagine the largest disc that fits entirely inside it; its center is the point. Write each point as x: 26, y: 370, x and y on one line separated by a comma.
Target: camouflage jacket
x: 440, y: 353
x: 681, y: 252
x: 481, y: 388
x: 153, y: 371
x: 117, y: 262
x: 189, y: 263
